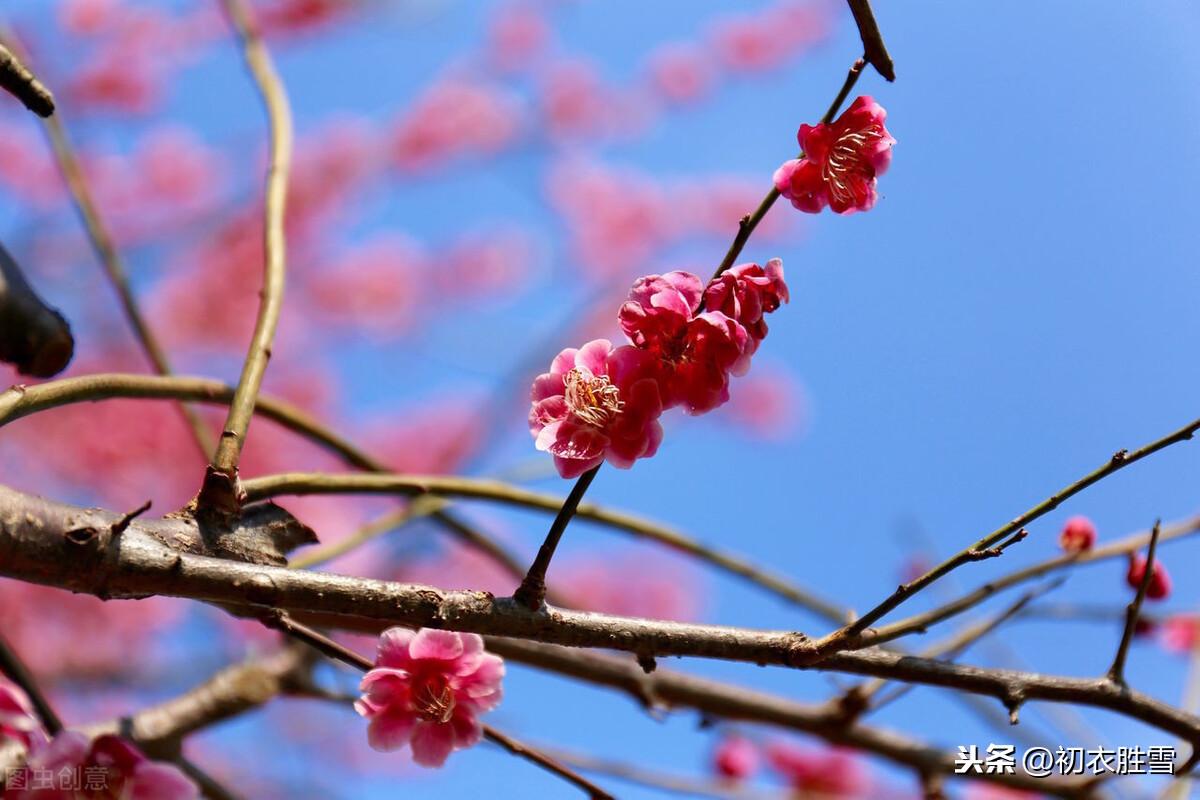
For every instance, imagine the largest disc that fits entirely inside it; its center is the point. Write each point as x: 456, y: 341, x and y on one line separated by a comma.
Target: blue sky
x: 1020, y: 305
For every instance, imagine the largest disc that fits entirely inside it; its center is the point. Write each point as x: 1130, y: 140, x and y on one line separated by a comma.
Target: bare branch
x: 1116, y: 673
x: 532, y: 591
x: 34, y: 546
x: 220, y: 490
x: 874, y: 50
x: 1119, y: 461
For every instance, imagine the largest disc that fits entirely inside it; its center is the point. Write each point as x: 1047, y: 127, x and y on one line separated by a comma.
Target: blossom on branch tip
x: 841, y: 161
x: 597, y: 404
x: 1159, y: 586
x: 427, y: 690
x: 1078, y: 535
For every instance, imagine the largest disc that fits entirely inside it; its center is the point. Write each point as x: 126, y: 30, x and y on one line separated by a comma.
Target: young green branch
x: 221, y: 490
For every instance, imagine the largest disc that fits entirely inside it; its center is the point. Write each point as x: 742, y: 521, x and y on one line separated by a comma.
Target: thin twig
x: 532, y: 591
x: 875, y: 51
x: 331, y: 649
x: 220, y: 491
x: 1119, y: 461
x: 209, y: 786
x: 1116, y: 672
x: 17, y: 80
x: 12, y: 666
x: 923, y: 621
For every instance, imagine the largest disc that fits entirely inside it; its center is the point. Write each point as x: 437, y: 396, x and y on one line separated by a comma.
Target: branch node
x: 647, y: 662
x: 121, y: 524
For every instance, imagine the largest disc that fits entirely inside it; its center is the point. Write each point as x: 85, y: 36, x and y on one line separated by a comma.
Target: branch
x: 33, y: 336
x: 1116, y: 673
x: 921, y: 622
x: 17, y: 80
x: 220, y: 490
x: 1119, y: 460
x: 233, y: 691
x: 874, y: 50
x: 532, y: 591
x: 668, y: 689
x: 35, y: 547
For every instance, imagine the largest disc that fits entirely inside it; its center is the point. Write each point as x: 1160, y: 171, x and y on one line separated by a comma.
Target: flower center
x: 433, y: 700
x: 845, y: 167
x: 592, y: 398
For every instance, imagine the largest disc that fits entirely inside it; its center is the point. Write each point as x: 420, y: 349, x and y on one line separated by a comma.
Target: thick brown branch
x: 35, y: 546
x: 34, y: 337
x: 220, y: 489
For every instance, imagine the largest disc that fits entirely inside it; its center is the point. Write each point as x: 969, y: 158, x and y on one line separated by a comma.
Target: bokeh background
x: 476, y: 186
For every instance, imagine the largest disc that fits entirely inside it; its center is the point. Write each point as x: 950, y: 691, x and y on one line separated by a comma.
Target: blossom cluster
x: 72, y: 766
x: 602, y: 403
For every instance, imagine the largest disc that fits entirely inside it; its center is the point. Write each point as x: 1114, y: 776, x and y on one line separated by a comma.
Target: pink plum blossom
x: 597, y: 404
x: 17, y: 719
x: 1078, y: 535
x: 1160, y: 582
x: 747, y: 293
x: 697, y: 351
x: 829, y: 773
x: 427, y: 690
x: 736, y: 758
x: 841, y: 161
x: 125, y: 770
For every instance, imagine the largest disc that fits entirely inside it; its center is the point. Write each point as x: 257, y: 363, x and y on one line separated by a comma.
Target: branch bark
x: 37, y: 544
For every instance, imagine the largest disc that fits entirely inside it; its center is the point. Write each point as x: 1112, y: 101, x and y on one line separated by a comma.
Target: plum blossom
x: 736, y: 758
x: 695, y: 351
x: 427, y: 690
x: 1160, y: 582
x: 597, y: 404
x: 841, y: 161
x: 126, y: 771
x: 830, y: 773
x: 746, y: 293
x: 1078, y: 535
x: 17, y: 720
